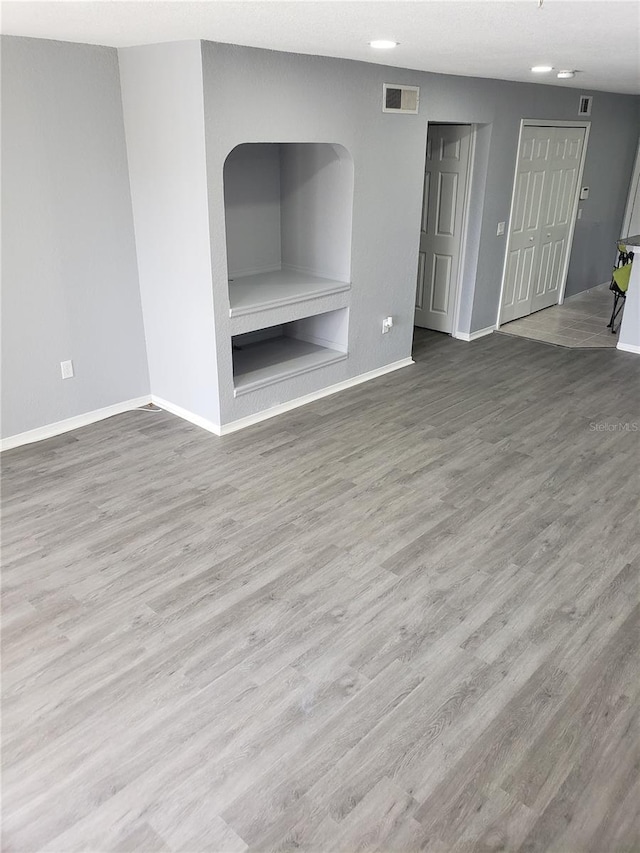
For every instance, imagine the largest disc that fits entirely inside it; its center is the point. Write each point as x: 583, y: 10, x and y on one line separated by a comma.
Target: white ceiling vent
x: 400, y: 99
x: 584, y: 106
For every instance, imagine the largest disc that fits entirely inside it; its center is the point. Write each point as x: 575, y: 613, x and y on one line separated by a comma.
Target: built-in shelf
x: 255, y: 293
x: 288, y: 213
x: 262, y: 363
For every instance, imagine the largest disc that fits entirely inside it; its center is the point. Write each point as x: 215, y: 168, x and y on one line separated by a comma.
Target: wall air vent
x: 400, y: 99
x: 584, y: 106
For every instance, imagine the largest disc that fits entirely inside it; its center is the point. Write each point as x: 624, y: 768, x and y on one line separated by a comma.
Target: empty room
x: 320, y: 426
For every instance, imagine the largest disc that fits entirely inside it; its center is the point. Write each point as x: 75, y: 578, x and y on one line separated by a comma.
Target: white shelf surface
x: 276, y: 359
x: 253, y: 293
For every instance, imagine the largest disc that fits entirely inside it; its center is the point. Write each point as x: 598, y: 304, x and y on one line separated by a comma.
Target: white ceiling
x: 479, y: 38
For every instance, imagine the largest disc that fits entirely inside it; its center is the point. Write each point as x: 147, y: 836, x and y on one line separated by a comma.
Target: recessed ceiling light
x: 566, y: 75
x: 542, y: 69
x: 383, y: 44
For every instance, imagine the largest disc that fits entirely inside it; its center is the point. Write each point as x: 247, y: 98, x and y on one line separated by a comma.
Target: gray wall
x: 610, y: 156
x: 264, y: 96
x: 255, y: 95
x: 70, y: 288
x: 164, y: 121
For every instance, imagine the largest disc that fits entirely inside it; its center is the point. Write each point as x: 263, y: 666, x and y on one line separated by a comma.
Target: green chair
x: 620, y: 284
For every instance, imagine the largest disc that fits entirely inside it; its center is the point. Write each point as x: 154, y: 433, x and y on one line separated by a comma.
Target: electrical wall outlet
x: 387, y: 323
x: 501, y: 227
x: 66, y: 368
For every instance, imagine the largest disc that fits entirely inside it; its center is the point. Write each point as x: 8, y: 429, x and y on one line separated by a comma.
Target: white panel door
x: 445, y: 184
x: 557, y: 209
x: 546, y: 182
x: 523, y: 259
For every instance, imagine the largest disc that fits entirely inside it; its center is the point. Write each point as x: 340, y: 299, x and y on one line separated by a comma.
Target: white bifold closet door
x: 546, y: 183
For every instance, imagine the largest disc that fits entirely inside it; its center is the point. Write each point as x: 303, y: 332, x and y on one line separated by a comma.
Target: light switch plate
x: 501, y: 227
x: 584, y: 193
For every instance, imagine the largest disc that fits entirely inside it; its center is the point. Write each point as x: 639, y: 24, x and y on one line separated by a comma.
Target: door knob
x: 531, y: 239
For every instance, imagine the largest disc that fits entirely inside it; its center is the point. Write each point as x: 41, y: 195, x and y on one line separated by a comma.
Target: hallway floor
x: 580, y: 322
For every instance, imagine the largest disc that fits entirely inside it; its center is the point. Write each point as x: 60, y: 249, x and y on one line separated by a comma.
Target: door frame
x: 455, y: 325
x: 457, y: 291
x: 536, y: 122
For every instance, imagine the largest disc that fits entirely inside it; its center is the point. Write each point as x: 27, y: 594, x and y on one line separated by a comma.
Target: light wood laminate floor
x: 402, y: 618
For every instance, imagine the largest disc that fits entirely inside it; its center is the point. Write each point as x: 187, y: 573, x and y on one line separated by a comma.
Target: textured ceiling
x: 480, y: 38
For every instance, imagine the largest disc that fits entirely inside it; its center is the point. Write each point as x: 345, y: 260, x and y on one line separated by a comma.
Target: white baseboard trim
x: 473, y: 336
x: 69, y: 424
x: 88, y: 418
x: 250, y: 420
x: 186, y: 415
x: 628, y: 348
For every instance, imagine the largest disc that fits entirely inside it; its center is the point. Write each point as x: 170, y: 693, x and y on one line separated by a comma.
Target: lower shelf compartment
x: 266, y: 362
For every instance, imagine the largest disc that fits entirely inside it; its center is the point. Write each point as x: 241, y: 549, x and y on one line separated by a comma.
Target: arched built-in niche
x: 288, y: 219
